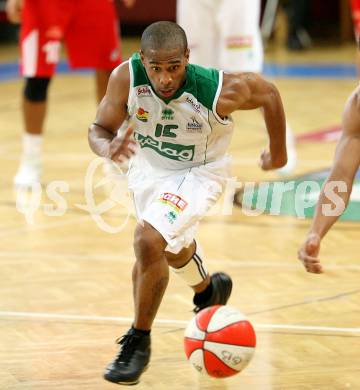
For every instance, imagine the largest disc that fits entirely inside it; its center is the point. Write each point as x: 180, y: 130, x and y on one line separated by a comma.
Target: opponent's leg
x: 34, y: 106
x: 40, y: 41
x: 150, y: 279
x: 101, y: 81
x: 189, y: 265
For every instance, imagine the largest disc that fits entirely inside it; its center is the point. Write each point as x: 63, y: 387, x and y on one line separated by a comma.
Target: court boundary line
x: 173, y: 322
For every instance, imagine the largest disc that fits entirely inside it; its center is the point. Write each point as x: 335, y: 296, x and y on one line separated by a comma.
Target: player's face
x: 166, y: 69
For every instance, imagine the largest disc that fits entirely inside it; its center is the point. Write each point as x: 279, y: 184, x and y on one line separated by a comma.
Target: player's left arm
x: 336, y: 191
x: 247, y: 91
x: 346, y: 164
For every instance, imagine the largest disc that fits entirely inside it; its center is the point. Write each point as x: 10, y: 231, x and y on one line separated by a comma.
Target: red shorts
x: 89, y: 29
x: 355, y: 9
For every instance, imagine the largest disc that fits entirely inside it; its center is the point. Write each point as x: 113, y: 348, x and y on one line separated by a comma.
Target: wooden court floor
x: 65, y: 290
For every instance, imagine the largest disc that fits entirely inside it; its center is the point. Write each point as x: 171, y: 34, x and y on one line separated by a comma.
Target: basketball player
x: 346, y: 164
x: 182, y: 126
x: 225, y: 34
x: 90, y: 31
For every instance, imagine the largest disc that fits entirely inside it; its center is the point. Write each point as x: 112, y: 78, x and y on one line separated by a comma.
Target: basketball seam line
x: 217, y: 357
x: 226, y: 326
x: 218, y: 342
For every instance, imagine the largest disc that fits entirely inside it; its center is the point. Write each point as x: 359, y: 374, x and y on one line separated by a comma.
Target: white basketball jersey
x: 181, y: 132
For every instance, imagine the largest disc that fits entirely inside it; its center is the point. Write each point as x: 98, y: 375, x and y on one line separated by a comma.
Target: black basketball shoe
x: 217, y: 293
x: 132, y: 359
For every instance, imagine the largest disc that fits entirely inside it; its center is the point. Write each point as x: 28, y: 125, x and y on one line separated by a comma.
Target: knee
x: 36, y: 88
x: 149, y: 244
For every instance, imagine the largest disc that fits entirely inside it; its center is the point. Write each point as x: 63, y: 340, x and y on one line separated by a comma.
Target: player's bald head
x: 163, y: 35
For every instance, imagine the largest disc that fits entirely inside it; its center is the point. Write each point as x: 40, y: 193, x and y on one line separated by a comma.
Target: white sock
x: 195, y: 271
x: 32, y: 145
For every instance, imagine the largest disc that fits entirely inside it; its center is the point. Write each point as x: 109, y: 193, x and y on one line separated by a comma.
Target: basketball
x: 219, y: 341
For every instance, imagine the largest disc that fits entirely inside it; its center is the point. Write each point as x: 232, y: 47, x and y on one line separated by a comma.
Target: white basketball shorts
x: 223, y: 34
x: 174, y: 202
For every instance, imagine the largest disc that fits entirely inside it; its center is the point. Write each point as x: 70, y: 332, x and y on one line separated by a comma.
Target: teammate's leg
x: 242, y: 51
x: 197, y: 18
x: 240, y: 38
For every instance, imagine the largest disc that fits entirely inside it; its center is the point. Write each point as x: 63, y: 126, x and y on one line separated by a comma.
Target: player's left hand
x: 309, y: 252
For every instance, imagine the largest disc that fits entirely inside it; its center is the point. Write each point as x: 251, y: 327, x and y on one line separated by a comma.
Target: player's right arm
x: 13, y: 10
x: 247, y: 91
x: 346, y: 164
x: 112, y: 112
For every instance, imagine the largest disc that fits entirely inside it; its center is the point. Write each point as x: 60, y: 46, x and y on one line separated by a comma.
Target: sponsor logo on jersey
x: 196, y: 106
x: 166, y: 149
x: 194, y: 126
x: 175, y: 201
x: 171, y: 216
x: 142, y: 115
x: 167, y: 114
x: 143, y: 91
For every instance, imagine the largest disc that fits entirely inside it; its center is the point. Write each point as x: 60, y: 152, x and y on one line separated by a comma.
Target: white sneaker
x: 29, y: 172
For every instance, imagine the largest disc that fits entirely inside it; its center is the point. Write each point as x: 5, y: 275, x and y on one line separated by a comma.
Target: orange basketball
x: 219, y: 341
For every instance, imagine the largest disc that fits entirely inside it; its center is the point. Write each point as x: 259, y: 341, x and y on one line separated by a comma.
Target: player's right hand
x: 122, y: 147
x: 308, y: 254
x: 13, y: 10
